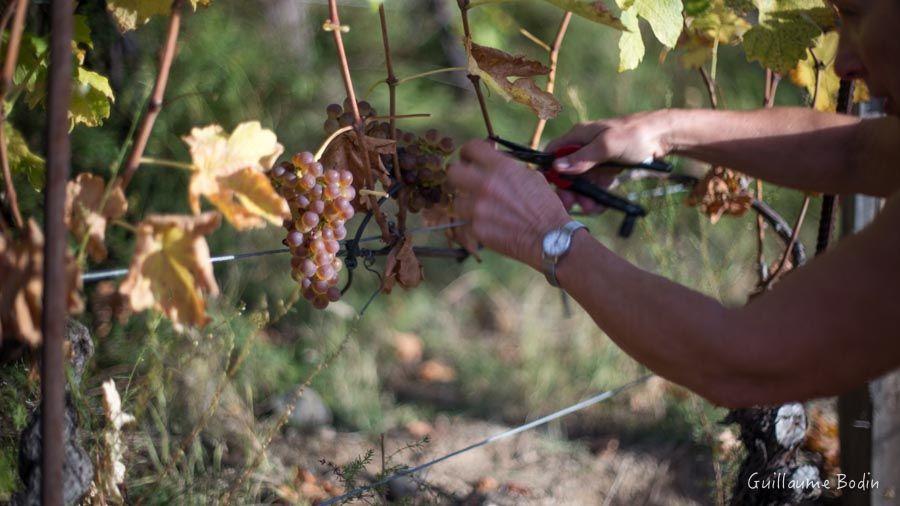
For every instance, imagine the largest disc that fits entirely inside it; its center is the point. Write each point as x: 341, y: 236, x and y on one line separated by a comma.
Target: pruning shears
x: 580, y: 184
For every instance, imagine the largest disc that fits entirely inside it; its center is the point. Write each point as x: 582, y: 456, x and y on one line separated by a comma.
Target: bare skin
x: 826, y: 328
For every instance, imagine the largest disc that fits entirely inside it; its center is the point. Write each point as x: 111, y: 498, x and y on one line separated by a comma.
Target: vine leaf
x: 91, y: 92
x: 496, y: 67
x: 786, y: 30
x: 84, y: 216
x: 716, y: 21
x: 171, y: 268
x: 665, y: 19
x: 229, y: 171
x: 22, y: 160
x: 828, y: 82
x: 21, y: 269
x: 594, y: 10
x: 132, y: 14
x: 402, y: 266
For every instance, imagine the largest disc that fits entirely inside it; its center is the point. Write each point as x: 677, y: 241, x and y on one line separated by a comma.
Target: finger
x: 464, y: 178
x: 579, y: 134
x: 567, y: 198
x: 584, y: 159
x: 588, y: 205
x: 463, y: 206
x: 482, y: 153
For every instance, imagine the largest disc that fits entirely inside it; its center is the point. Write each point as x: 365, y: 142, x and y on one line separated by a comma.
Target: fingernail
x: 561, y: 164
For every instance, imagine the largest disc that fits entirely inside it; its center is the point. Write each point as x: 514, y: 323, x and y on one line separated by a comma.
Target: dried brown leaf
x: 22, y: 270
x: 402, y: 266
x: 496, y: 68
x: 84, y: 196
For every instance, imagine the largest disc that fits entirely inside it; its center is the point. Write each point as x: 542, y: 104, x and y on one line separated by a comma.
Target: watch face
x: 556, y: 242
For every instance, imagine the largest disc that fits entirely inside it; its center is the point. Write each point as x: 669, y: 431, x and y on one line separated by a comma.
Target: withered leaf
x: 230, y: 172
x: 22, y: 270
x: 720, y: 192
x: 344, y: 152
x: 84, y: 197
x: 111, y: 469
x: 402, y: 266
x: 496, y: 68
x: 171, y: 269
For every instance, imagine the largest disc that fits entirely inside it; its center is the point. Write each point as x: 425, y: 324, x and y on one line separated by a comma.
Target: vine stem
x: 334, y: 25
x: 790, y: 246
x: 551, y: 77
x: 464, y: 6
x: 711, y: 88
x: 55, y: 291
x: 9, y: 67
x: 156, y: 100
x: 392, y: 82
x: 771, y: 88
x: 327, y: 142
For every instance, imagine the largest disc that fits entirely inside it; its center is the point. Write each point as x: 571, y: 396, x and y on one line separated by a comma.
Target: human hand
x: 508, y: 206
x: 629, y: 139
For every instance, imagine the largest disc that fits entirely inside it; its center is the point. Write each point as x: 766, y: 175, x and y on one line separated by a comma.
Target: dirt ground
x: 531, y: 468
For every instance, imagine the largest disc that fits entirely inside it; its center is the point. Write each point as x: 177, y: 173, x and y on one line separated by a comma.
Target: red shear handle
x: 556, y: 178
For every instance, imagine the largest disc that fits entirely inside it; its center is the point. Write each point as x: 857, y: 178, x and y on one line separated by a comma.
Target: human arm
x: 820, y: 331
x: 794, y: 147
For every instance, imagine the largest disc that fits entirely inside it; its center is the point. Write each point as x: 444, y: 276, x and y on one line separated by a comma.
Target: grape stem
x: 6, y: 78
x: 392, y: 82
x: 332, y: 137
x: 551, y: 77
x: 464, y: 6
x: 159, y: 91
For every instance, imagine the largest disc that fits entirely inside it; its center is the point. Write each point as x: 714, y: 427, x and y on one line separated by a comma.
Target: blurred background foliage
x: 515, y: 352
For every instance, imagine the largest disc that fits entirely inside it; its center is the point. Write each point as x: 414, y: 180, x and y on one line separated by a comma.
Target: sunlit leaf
x: 594, y: 10
x: 631, y: 44
x: 91, y: 98
x: 786, y: 29
x: 84, y: 216
x: 22, y: 160
x: 715, y: 22
x: 131, y: 14
x: 171, y: 269
x: 21, y: 269
x: 817, y: 76
x: 229, y: 171
x: 496, y: 68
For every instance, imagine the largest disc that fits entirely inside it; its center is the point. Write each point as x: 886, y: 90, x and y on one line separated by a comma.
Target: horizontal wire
x: 93, y: 276
x: 492, y: 439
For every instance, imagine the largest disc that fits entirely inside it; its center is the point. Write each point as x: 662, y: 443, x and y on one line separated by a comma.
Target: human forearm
x: 794, y: 147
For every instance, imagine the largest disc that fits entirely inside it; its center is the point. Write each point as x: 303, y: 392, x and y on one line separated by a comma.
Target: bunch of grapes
x: 343, y: 116
x: 320, y: 207
x: 423, y: 164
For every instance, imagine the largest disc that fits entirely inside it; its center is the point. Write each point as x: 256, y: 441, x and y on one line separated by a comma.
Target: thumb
x: 582, y: 160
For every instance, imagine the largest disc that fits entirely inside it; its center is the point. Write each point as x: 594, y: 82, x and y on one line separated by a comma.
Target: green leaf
x: 91, y: 96
x: 594, y: 10
x: 664, y: 17
x: 22, y: 160
x: 631, y: 45
x: 786, y: 29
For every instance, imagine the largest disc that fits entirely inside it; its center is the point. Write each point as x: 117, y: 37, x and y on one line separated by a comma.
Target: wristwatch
x: 555, y: 245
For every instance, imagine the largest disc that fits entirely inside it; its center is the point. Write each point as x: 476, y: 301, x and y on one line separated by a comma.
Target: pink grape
x: 310, y: 220
x: 320, y: 302
x: 333, y: 294
x: 346, y: 178
x: 294, y: 239
x: 308, y: 267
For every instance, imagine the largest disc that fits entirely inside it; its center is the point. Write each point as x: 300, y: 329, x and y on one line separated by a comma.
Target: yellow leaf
x: 83, y: 214
x: 131, y: 14
x: 496, y: 67
x: 229, y: 171
x: 171, y: 268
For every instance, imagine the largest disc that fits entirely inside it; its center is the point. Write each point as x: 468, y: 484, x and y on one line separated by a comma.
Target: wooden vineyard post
x: 53, y: 314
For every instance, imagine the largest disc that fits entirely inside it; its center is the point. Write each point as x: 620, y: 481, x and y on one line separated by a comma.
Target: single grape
x: 310, y: 220
x: 348, y: 193
x: 308, y: 267
x: 304, y: 159
x: 346, y: 119
x: 332, y: 176
x: 316, y: 192
x: 340, y: 233
x: 446, y: 145
x: 309, y: 294
x: 325, y: 272
x: 290, y: 178
x: 317, y: 245
x: 319, y: 286
x: 431, y: 136
x: 347, y: 104
x: 333, y: 294
x: 301, y: 201
x: 332, y: 246
x: 320, y: 301
x: 316, y: 169
x: 338, y: 264
x: 346, y: 209
x: 278, y: 171
x: 365, y: 108
x: 317, y: 206
x: 294, y: 239
x: 332, y: 191
x: 305, y: 284
x: 346, y: 178
x: 327, y: 233
x: 334, y: 110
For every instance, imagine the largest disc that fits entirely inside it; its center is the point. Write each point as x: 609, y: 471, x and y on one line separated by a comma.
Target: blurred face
x: 870, y: 46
